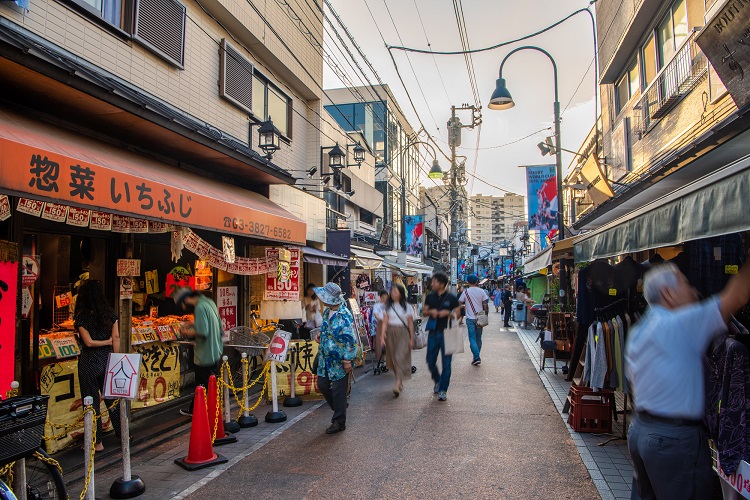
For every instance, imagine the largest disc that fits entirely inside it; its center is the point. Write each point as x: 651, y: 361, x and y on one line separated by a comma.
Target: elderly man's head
x: 665, y: 285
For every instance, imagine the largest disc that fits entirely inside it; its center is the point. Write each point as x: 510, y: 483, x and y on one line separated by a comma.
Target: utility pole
x: 456, y: 180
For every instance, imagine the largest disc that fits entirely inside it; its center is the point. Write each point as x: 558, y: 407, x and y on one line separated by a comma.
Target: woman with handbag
x: 311, y: 306
x: 397, y: 334
x: 476, y: 303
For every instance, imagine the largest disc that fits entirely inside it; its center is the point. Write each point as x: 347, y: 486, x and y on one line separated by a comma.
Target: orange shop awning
x: 54, y: 164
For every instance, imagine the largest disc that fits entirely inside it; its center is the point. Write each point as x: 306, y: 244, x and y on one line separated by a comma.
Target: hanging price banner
x: 4, y: 207
x: 55, y: 212
x: 78, y: 216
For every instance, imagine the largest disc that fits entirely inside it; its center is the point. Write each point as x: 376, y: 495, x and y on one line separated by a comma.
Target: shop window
x: 235, y: 77
x: 267, y: 101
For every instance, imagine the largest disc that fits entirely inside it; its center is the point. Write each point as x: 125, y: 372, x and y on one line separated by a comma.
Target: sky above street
x: 435, y: 82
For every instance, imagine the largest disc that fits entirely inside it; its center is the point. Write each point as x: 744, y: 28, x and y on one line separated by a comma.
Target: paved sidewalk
x: 609, y: 464
x: 164, y: 479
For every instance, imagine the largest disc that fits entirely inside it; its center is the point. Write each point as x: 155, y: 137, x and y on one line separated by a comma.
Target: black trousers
x: 669, y: 461
x: 91, y: 373
x: 202, y: 374
x: 508, y: 306
x: 335, y: 393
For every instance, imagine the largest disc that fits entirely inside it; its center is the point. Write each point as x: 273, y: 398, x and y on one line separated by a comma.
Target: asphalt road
x: 497, y: 436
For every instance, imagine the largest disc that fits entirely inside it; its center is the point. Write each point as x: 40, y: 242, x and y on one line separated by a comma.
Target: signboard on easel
x: 359, y: 324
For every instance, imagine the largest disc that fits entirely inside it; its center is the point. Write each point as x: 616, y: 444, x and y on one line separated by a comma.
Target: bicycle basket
x: 22, y: 421
x: 248, y: 340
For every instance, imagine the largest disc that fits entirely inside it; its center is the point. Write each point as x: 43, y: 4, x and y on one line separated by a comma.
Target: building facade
x: 667, y: 117
x: 492, y: 218
x: 372, y: 112
x: 126, y: 123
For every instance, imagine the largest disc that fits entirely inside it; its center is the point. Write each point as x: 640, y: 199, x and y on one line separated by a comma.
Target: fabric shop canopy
x: 410, y: 269
x: 366, y: 259
x: 713, y: 205
x: 314, y: 256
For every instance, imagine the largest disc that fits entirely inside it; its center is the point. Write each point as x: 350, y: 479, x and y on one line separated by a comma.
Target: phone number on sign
x: 257, y: 228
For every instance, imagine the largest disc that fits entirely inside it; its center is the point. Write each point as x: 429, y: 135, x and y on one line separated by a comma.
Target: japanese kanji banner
x: 541, y: 186
x: 8, y: 297
x: 159, y: 374
x: 302, y: 357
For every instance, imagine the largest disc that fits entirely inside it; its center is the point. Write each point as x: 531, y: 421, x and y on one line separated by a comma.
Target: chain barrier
x: 77, y: 423
x: 6, y: 473
x: 240, y: 399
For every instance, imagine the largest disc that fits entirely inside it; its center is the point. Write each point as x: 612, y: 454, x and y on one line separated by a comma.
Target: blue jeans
x: 435, y: 346
x: 475, y: 337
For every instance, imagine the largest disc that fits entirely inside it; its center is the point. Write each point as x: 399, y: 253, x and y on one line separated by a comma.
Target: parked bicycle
x: 22, y: 420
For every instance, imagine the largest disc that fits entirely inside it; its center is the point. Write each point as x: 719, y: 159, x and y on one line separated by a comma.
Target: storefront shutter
x: 160, y: 26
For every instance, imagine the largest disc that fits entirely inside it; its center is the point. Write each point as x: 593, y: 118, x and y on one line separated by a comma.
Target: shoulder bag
x: 481, y: 316
x: 453, y: 338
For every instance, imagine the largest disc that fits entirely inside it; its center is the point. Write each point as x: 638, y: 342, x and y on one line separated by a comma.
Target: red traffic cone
x: 215, y: 417
x: 201, y: 451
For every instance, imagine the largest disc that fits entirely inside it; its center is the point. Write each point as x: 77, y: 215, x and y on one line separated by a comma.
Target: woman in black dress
x: 96, y: 323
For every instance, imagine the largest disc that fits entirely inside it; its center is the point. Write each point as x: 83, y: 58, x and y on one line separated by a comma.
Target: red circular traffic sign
x: 278, y: 344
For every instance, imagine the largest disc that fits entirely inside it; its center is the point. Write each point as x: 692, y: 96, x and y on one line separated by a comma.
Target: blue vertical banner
x: 541, y: 188
x: 414, y: 228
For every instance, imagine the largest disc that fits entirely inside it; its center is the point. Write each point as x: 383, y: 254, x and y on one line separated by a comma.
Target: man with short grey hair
x: 663, y: 362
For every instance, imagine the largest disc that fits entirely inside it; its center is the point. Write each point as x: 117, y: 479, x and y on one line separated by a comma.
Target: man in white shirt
x: 475, y: 300
x: 663, y: 362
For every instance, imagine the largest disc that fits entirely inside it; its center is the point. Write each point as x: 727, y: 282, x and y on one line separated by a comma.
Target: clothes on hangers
x: 727, y: 378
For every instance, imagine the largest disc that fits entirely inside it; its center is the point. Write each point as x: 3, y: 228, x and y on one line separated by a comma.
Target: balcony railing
x: 675, y: 80
x: 335, y: 220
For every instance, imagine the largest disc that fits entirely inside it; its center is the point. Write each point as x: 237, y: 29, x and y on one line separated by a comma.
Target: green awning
x: 713, y: 205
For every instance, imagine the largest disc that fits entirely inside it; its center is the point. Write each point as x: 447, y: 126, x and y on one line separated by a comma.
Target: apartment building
x: 493, y: 218
x: 673, y: 113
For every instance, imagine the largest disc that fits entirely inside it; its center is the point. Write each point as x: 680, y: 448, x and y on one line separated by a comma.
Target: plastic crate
x: 22, y: 421
x: 590, y: 411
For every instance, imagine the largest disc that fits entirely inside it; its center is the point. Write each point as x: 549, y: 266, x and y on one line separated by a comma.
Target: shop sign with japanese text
x: 29, y: 169
x: 159, y: 374
x: 276, y: 289
x: 128, y: 267
x: 226, y: 301
x: 302, y: 358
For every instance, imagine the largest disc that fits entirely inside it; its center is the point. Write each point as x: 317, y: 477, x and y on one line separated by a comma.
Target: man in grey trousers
x: 663, y: 362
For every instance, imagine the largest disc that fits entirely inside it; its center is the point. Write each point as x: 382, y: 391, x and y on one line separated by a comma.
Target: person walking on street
x: 474, y: 300
x: 311, y: 307
x: 522, y: 298
x: 397, y: 335
x: 96, y: 323
x: 376, y: 317
x: 664, y: 364
x: 497, y: 298
x: 439, y: 306
x: 338, y: 347
x: 207, y: 331
x: 507, y: 305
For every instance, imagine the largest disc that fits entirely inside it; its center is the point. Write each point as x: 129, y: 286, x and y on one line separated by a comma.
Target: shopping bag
x: 420, y: 337
x: 454, y: 338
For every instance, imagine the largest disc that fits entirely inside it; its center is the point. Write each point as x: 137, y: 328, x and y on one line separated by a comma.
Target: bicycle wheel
x: 43, y: 480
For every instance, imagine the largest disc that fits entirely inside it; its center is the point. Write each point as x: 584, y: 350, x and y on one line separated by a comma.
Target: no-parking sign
x: 278, y: 347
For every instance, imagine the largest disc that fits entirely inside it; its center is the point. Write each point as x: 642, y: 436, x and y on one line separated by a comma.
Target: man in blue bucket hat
x: 338, y: 347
